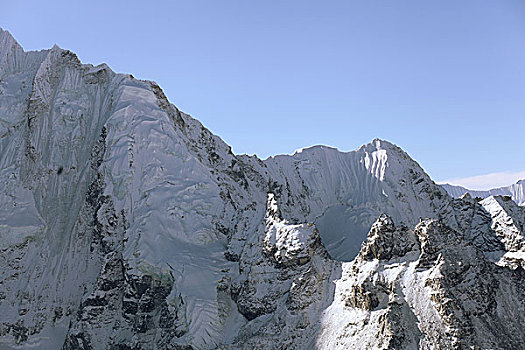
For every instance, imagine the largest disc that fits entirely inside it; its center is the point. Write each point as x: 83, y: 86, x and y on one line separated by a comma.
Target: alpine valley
x: 125, y: 224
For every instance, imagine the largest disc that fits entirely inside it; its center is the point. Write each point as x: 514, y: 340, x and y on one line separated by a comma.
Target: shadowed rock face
x: 125, y: 224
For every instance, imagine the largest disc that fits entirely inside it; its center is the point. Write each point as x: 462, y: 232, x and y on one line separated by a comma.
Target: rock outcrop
x: 426, y: 288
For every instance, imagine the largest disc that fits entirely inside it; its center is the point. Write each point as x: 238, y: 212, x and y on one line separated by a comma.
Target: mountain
x: 515, y: 191
x: 126, y: 224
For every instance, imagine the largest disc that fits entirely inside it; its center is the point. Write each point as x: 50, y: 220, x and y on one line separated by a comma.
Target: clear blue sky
x: 445, y: 80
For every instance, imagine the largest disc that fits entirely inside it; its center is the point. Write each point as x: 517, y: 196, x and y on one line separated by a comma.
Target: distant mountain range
x: 515, y: 191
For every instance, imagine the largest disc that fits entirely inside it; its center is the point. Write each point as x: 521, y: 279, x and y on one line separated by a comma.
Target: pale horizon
x: 486, y: 181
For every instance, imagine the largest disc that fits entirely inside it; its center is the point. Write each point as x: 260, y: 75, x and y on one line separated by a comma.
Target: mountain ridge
x: 516, y: 191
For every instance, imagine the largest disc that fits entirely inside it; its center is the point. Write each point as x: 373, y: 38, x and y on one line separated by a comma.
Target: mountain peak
x: 382, y: 143
x: 11, y: 53
x: 316, y: 148
x: 375, y: 145
x: 7, y: 41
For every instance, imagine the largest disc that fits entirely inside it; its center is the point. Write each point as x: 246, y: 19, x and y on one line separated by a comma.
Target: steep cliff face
x: 125, y: 224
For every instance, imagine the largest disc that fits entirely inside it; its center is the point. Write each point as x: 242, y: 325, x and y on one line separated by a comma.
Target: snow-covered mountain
x: 126, y: 224
x: 515, y: 191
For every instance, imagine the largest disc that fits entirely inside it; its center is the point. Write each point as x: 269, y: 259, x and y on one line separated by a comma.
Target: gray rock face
x: 125, y: 224
x: 384, y: 241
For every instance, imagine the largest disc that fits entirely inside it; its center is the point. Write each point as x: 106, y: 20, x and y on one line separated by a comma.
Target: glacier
x: 126, y: 224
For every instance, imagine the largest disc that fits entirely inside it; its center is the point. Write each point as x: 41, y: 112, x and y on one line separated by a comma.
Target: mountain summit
x: 125, y: 224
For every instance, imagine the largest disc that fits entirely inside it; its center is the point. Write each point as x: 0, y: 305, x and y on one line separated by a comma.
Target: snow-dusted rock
x: 287, y: 244
x: 441, y: 292
x: 508, y: 222
x: 284, y: 284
